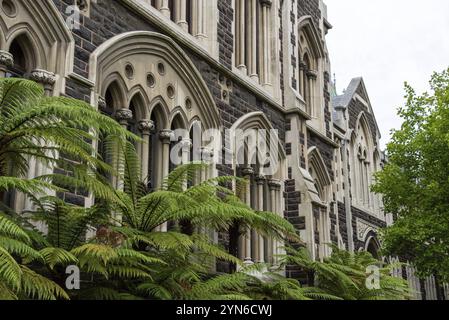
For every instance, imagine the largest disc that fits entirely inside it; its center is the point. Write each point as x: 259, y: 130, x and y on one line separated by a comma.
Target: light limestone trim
x: 160, y: 21
x: 140, y: 43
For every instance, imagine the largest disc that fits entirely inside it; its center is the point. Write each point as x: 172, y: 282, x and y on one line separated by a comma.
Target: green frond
x: 94, y: 252
x: 38, y: 287
x: 10, y: 272
x: 20, y: 249
x: 155, y: 290
x: 57, y: 256
x: 9, y: 229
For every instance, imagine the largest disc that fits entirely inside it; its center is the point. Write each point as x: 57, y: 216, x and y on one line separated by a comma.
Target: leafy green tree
x: 415, y: 184
x: 343, y: 276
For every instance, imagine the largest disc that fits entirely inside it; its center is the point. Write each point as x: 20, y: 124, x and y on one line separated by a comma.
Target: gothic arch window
x: 39, y: 42
x: 321, y: 218
x: 364, y: 164
x: 252, y: 24
x: 372, y: 246
x: 24, y: 56
x: 255, y: 157
x: 310, y: 54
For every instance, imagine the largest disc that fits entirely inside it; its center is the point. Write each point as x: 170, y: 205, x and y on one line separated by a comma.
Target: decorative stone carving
x: 186, y: 144
x: 102, y: 103
x: 43, y: 77
x: 312, y: 74
x: 260, y: 179
x: 166, y: 136
x: 247, y: 172
x: 123, y: 116
x: 363, y: 228
x: 274, y: 184
x: 207, y: 154
x: 266, y: 3
x: 146, y: 127
x: 6, y: 59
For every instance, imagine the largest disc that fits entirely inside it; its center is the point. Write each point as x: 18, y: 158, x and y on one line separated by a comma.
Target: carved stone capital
x: 101, y: 103
x: 46, y: 78
x: 123, y: 116
x: 186, y: 144
x: 166, y: 136
x: 274, y: 184
x: 303, y: 66
x: 146, y: 127
x: 266, y: 3
x: 260, y: 179
x: 6, y: 59
x: 247, y: 171
x: 207, y: 153
x: 312, y: 74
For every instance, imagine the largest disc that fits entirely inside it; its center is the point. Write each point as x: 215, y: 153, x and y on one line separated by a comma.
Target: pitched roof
x: 342, y: 101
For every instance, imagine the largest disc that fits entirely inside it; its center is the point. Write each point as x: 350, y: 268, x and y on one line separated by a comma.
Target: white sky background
x: 388, y: 42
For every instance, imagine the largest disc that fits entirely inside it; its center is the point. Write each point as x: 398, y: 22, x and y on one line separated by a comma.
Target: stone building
x: 163, y: 65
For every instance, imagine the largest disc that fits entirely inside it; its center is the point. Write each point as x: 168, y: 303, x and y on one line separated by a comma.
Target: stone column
x: 45, y: 78
x: 266, y: 42
x: 123, y: 116
x: 311, y: 77
x: 240, y: 26
x: 165, y: 136
x: 146, y: 128
x: 181, y: 14
x: 251, y: 35
x: 247, y: 174
x: 164, y: 8
x: 275, y: 187
x: 6, y: 61
x: 302, y: 71
x: 260, y: 181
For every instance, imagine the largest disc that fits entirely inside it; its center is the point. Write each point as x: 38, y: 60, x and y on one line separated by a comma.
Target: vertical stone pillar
x: 146, y: 127
x: 247, y: 174
x: 302, y: 85
x: 251, y: 35
x: 275, y: 187
x: 6, y: 61
x: 266, y: 42
x: 240, y: 26
x: 260, y: 181
x: 181, y: 14
x: 311, y: 78
x: 165, y: 9
x: 165, y: 136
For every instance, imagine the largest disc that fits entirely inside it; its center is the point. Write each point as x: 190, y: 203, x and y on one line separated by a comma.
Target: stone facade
x: 283, y: 84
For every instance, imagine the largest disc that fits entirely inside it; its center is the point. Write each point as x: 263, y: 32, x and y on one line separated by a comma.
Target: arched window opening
x: 23, y: 56
x: 373, y: 248
x: 176, y: 156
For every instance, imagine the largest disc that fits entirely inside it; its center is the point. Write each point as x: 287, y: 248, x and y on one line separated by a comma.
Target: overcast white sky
x: 388, y: 42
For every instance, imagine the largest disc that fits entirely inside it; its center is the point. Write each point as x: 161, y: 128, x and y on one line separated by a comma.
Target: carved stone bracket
x: 6, y: 59
x: 46, y: 78
x: 363, y: 228
x: 166, y: 136
x: 274, y: 184
x: 123, y: 116
x: 146, y: 127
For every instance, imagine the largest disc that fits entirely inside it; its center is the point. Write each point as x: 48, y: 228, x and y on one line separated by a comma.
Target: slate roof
x: 342, y: 101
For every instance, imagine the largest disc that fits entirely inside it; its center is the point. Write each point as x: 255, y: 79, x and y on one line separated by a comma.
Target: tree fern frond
x: 58, y: 256
x: 38, y: 287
